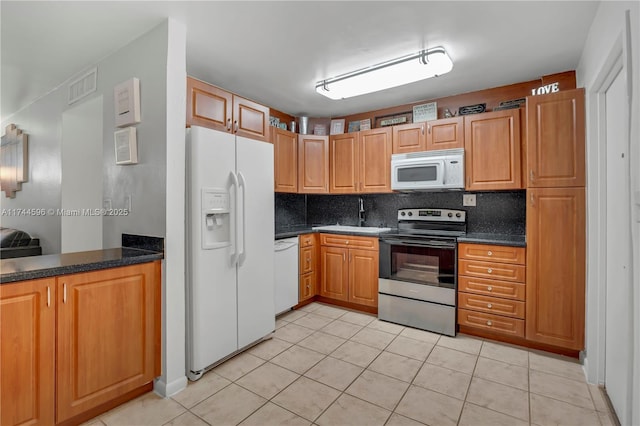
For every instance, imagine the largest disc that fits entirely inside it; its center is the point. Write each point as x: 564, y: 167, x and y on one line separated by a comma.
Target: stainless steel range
x: 418, y: 269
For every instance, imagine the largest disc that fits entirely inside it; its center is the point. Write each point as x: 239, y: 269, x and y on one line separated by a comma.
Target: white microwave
x: 428, y: 170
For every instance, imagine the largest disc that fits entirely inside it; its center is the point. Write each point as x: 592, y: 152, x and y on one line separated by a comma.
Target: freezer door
x: 256, y: 309
x: 211, y: 288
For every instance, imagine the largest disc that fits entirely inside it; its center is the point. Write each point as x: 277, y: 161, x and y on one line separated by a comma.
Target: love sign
x: 548, y: 88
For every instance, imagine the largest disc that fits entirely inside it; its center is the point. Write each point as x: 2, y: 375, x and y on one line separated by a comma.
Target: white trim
x: 166, y: 390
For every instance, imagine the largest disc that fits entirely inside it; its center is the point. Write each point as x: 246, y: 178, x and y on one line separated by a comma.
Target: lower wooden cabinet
x: 349, y: 274
x: 307, y: 267
x: 27, y: 352
x: 556, y: 266
x: 74, y: 343
x: 491, y: 288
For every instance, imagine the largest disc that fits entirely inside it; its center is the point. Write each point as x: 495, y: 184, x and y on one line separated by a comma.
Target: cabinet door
x: 409, y: 138
x: 375, y: 160
x: 447, y: 133
x: 313, y: 164
x: 108, y: 339
x: 492, y: 150
x: 208, y: 106
x: 343, y: 163
x: 555, y: 139
x: 250, y: 119
x: 556, y: 266
x: 285, y: 155
x: 27, y: 352
x: 334, y: 273
x: 363, y: 277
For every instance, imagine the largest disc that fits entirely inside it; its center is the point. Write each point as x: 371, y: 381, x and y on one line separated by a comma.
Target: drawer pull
x: 489, y: 270
x: 489, y: 253
x: 489, y: 305
x: 347, y: 242
x: 489, y: 288
x: 489, y: 323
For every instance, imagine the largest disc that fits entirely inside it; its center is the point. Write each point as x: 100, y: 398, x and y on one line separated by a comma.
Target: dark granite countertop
x: 293, y: 231
x: 497, y: 239
x: 51, y: 265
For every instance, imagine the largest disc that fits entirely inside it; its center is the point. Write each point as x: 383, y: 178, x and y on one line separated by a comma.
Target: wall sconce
x: 396, y: 72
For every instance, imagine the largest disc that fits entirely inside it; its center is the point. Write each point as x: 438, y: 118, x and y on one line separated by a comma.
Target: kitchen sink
x: 351, y: 229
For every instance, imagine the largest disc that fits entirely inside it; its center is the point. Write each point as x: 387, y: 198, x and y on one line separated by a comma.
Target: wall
x: 607, y: 26
x: 145, y: 58
x: 495, y: 212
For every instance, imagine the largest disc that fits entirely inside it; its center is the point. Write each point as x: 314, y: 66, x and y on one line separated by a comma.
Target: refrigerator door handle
x: 243, y: 253
x: 234, y: 233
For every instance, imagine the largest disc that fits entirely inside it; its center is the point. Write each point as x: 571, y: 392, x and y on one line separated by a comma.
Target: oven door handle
x: 430, y: 244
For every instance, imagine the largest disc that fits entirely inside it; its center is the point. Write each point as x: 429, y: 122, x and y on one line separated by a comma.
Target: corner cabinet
x: 27, y: 353
x: 313, y: 164
x: 492, y: 151
x: 78, y: 343
x: 215, y: 108
x: 555, y: 140
x: 285, y: 157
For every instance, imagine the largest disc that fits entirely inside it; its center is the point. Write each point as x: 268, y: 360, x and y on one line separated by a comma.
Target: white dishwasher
x: 286, y: 258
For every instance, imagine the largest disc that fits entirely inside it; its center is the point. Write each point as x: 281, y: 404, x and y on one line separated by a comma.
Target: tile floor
x: 330, y: 366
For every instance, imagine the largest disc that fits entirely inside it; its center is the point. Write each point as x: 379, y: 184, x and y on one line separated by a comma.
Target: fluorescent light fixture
x: 396, y: 72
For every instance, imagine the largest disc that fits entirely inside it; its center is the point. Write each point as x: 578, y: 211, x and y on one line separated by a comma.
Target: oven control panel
x: 432, y: 215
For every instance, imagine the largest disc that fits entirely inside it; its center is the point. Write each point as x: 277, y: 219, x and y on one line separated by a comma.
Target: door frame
x: 617, y: 60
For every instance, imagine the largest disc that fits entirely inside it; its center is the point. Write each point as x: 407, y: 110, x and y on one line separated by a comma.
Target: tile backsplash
x: 501, y: 212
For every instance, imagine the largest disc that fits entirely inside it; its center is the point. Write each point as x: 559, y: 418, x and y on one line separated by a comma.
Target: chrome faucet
x: 361, y: 212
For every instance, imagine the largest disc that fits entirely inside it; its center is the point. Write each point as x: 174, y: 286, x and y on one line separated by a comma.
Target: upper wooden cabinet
x: 285, y: 157
x: 556, y: 266
x: 555, y: 140
x: 344, y: 160
x: 375, y: 149
x: 27, y: 353
x: 446, y: 133
x: 360, y: 162
x: 492, y: 150
x: 313, y: 164
x: 209, y: 106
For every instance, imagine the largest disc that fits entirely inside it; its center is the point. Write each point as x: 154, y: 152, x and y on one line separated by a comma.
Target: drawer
x: 307, y: 240
x: 307, y: 260
x: 492, y: 305
x: 490, y: 252
x: 349, y: 241
x: 501, y: 271
x: 488, y: 287
x: 496, y: 323
x: 307, y: 286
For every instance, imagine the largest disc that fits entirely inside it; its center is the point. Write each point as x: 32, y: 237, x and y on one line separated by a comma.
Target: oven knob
x: 402, y: 213
x: 450, y: 215
x: 458, y: 215
x: 410, y: 214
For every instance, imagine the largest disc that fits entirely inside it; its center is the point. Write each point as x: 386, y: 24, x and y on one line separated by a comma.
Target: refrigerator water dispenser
x: 216, y: 227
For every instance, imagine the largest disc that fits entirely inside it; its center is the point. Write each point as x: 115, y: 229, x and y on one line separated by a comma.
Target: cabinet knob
x: 489, y: 305
x: 489, y: 270
x: 489, y: 253
x: 489, y: 288
x: 347, y: 242
x: 489, y: 323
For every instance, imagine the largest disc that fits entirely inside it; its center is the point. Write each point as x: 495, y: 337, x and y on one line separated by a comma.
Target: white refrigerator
x: 229, y: 255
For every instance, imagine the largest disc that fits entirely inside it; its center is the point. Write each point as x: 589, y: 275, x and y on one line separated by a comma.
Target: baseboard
x: 166, y: 390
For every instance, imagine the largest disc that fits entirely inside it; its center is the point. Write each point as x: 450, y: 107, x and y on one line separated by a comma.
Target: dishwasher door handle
x: 284, y: 247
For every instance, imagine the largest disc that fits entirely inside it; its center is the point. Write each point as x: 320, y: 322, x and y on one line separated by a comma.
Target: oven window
x: 418, y: 174
x: 424, y: 265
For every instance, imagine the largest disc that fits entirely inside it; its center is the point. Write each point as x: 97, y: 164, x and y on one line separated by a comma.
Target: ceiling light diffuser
x: 396, y: 72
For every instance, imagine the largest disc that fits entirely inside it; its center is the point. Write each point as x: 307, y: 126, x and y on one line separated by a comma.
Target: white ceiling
x: 274, y: 52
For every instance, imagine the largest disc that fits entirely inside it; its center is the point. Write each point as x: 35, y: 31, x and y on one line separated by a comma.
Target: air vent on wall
x: 83, y: 85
